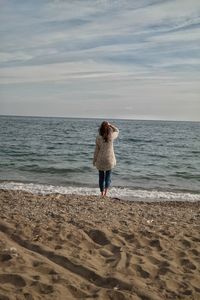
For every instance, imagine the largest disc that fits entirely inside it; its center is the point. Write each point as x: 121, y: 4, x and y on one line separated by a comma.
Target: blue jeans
x: 104, y: 179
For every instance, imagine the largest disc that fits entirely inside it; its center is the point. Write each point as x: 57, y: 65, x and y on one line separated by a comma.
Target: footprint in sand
x: 27, y: 296
x: 98, y: 236
x: 164, y: 267
x: 181, y: 254
x: 115, y: 249
x: 3, y: 297
x: 156, y: 244
x: 37, y: 263
x: 128, y: 259
x: 187, y: 264
x: 55, y: 277
x: 142, y: 272
x: 184, y: 289
x: 186, y: 243
x: 187, y: 293
x: 43, y: 288
x: 58, y: 247
x: 195, y: 239
x: 195, y: 252
x: 5, y: 257
x: 115, y: 295
x: 13, y: 279
x: 129, y: 237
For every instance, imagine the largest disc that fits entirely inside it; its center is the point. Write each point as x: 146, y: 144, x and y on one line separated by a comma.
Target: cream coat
x: 104, y: 156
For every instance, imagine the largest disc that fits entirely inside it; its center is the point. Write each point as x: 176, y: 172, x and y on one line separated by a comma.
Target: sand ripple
x: 78, y: 247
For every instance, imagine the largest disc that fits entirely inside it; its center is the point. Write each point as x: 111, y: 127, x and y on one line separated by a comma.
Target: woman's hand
x: 110, y: 125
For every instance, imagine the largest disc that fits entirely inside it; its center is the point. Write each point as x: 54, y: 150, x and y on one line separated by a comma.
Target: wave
x: 53, y: 170
x: 122, y: 193
x: 187, y: 175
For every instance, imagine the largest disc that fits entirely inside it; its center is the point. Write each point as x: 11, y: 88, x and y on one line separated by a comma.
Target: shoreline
x: 123, y: 193
x: 101, y: 248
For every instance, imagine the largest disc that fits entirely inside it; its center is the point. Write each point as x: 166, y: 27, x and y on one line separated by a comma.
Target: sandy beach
x: 86, y: 247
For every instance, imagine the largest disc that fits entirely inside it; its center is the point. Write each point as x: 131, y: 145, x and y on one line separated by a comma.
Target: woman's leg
x: 101, y: 181
x: 107, y: 181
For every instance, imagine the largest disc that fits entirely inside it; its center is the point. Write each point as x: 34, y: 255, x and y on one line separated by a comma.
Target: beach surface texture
x: 86, y: 247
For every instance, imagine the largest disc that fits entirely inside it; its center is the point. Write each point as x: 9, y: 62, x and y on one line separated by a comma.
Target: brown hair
x: 105, y: 130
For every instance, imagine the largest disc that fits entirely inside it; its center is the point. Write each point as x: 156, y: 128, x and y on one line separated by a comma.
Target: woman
x: 104, y: 156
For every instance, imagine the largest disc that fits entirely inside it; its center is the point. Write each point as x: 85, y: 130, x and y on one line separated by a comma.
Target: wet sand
x: 86, y: 247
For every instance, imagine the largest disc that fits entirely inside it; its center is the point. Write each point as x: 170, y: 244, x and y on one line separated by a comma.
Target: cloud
x: 101, y: 42
x: 8, y: 57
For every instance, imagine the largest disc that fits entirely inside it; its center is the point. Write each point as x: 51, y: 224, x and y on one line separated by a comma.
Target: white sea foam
x: 122, y: 193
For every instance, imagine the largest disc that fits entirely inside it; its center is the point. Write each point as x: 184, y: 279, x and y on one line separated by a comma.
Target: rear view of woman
x: 104, y: 156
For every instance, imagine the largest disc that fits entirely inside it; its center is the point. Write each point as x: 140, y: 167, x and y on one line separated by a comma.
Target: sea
x: 156, y: 160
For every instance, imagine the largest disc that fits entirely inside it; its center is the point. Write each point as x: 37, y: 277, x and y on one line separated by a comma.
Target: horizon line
x: 97, y: 118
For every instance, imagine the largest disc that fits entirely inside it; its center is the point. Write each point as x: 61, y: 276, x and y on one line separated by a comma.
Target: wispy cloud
x: 107, y: 41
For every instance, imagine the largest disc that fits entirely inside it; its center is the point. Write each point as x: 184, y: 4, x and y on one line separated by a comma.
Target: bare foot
x: 105, y: 192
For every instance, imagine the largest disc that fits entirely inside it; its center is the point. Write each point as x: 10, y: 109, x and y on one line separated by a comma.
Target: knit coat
x: 104, y: 156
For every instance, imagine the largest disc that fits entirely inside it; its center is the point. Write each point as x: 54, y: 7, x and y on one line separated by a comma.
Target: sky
x: 100, y: 58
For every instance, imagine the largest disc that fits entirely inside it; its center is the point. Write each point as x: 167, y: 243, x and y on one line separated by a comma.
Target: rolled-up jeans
x: 104, y: 180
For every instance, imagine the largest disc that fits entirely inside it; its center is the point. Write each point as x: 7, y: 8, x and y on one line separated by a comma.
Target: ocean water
x: 157, y: 160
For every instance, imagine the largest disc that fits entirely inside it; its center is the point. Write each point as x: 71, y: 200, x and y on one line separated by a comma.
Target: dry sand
x: 78, y: 247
